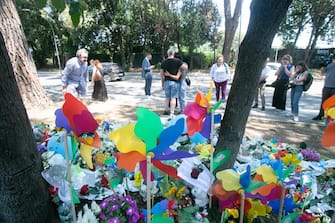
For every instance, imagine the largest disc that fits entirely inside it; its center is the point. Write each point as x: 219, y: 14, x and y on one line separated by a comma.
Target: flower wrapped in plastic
x: 117, y: 209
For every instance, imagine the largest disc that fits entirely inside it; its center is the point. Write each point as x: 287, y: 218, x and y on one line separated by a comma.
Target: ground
x: 287, y: 132
x: 125, y: 97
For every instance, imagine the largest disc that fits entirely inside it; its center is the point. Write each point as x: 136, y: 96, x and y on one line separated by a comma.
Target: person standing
x: 283, y: 74
x: 99, y: 88
x: 147, y: 73
x: 170, y: 85
x: 75, y: 76
x: 301, y: 74
x: 183, y: 85
x: 328, y: 89
x: 261, y: 87
x: 220, y: 74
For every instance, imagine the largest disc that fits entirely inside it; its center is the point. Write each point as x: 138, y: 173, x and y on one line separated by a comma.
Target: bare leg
x: 172, y: 105
x: 166, y: 104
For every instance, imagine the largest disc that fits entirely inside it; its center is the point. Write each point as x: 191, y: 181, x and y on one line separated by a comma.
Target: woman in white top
x: 220, y: 75
x: 297, y: 80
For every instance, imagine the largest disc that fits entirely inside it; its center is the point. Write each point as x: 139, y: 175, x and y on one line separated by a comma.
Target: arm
x: 174, y: 77
x: 162, y: 77
x: 66, y: 72
x: 211, y: 73
x: 323, y: 70
x: 289, y: 72
x: 303, y: 77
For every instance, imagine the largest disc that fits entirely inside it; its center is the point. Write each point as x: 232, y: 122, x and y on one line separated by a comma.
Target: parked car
x: 112, y: 71
x: 271, y: 75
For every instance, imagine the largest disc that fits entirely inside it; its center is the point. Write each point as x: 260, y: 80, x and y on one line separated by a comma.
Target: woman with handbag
x: 298, y: 79
x: 284, y: 72
x: 99, y: 89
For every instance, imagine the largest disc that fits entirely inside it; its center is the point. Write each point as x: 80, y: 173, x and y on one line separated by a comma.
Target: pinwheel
x: 328, y: 138
x: 265, y: 187
x: 198, y: 114
x: 136, y: 141
x: 159, y: 212
x: 76, y: 117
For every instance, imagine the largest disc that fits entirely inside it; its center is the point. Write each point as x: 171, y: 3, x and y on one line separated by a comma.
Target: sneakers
x: 296, y: 118
x: 255, y: 106
x: 317, y: 118
x: 263, y: 109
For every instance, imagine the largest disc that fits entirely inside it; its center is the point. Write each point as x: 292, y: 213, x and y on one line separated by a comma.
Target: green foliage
x: 75, y: 12
x: 41, y: 3
x: 59, y: 4
x: 117, y: 29
x: 301, y: 14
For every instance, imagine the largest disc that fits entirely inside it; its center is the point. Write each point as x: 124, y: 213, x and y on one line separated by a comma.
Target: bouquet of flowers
x: 118, y: 209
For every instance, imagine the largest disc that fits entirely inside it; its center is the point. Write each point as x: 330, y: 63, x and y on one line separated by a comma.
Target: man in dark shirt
x: 170, y: 85
x: 329, y: 86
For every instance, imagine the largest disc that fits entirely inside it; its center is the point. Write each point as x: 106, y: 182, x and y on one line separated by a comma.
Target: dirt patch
x: 291, y: 133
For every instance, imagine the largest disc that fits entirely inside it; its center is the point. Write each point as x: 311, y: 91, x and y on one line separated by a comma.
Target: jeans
x: 296, y: 93
x: 182, y: 94
x: 148, y: 81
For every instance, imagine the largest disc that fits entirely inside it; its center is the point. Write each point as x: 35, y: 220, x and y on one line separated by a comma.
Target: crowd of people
x: 173, y: 73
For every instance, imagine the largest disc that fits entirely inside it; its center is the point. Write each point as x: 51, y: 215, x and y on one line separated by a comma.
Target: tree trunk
x: 255, y: 48
x: 23, y: 193
x: 32, y: 92
x: 231, y: 24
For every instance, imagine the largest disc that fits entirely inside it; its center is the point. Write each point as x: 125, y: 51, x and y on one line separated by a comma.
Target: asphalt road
x: 130, y: 91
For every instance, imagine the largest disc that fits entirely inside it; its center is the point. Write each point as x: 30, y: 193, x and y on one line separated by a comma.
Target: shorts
x: 171, y: 89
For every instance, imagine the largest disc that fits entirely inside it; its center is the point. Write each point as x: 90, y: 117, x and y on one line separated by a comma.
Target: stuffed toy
x: 200, y: 197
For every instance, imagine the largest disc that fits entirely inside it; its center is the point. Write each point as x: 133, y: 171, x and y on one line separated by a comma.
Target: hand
x: 64, y: 90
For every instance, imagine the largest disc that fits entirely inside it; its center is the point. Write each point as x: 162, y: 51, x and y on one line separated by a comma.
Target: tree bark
x: 231, y: 24
x: 32, y: 92
x: 23, y: 193
x: 255, y: 48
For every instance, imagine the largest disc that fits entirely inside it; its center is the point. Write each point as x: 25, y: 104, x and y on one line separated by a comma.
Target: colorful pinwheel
x: 147, y: 137
x: 198, y: 114
x: 328, y: 138
x: 75, y: 116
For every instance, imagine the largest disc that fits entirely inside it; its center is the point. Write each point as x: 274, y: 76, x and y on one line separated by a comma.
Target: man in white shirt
x: 75, y: 76
x: 261, y: 87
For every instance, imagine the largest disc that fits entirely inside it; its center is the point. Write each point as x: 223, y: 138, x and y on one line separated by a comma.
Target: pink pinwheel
x: 147, y: 137
x: 76, y: 117
x: 198, y: 114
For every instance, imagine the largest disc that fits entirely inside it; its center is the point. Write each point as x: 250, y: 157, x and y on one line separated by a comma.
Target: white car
x: 271, y: 74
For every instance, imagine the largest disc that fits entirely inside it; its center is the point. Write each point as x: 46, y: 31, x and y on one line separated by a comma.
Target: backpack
x: 308, y: 82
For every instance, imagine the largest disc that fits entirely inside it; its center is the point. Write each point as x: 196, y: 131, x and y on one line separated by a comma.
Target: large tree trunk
x: 32, y: 93
x: 231, y: 24
x: 23, y: 193
x: 255, y: 48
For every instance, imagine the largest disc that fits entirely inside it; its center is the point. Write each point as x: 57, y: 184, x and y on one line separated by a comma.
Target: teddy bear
x: 200, y: 197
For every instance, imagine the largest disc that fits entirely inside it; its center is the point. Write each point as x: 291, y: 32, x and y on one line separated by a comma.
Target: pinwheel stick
x: 212, y: 151
x: 281, y: 207
x: 242, y: 206
x: 148, y: 189
x: 68, y: 166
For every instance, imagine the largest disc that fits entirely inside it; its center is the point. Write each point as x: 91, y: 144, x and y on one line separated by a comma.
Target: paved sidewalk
x: 130, y: 92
